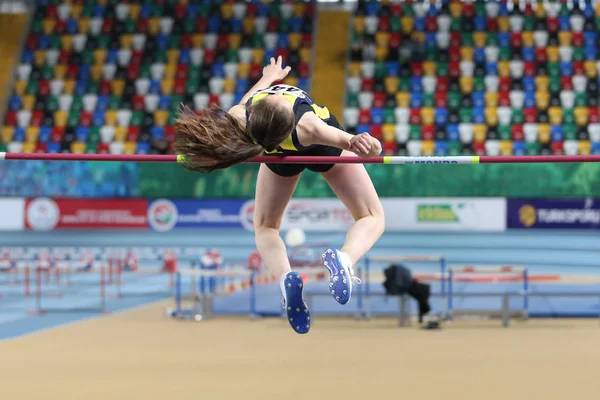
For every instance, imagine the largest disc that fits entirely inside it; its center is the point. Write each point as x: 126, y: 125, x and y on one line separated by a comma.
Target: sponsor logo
x: 247, y: 215
x: 162, y: 215
x: 437, y: 213
x: 527, y: 215
x: 432, y: 162
x: 43, y: 214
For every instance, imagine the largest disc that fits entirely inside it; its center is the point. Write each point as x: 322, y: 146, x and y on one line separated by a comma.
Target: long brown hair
x: 219, y: 136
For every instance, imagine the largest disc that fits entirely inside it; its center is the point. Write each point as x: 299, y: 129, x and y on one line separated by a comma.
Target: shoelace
x: 354, y: 279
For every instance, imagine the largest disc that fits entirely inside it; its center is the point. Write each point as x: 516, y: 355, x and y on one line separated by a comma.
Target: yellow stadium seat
x: 294, y: 39
x: 170, y: 71
x: 31, y: 134
x: 528, y: 40
x: 76, y: 11
x: 542, y: 99
x: 243, y: 71
x: 20, y: 87
x: 506, y: 148
x: 491, y: 99
x: 198, y: 40
x: 28, y: 102
x: 134, y: 11
x: 118, y: 86
x: 166, y: 86
x: 298, y: 10
x: 235, y: 40
x: 590, y: 69
x: 552, y: 54
x: 291, y: 80
x: 173, y: 56
x: 466, y: 54
x: 39, y: 58
x: 418, y: 37
x: 60, y: 118
x: 391, y: 84
x: 491, y: 116
x: 48, y: 25
x: 110, y: 117
x: 427, y: 115
x: 96, y: 72
x: 381, y: 53
x: 389, y: 133
x: 466, y: 84
x: 248, y: 26
x: 597, y: 10
x: 503, y: 68
x: 429, y: 68
x: 503, y: 24
x: 161, y: 117
x: 544, y: 133
x: 126, y: 41
x: 305, y: 55
x: 66, y: 42
x: 258, y: 55
x: 403, y: 99
x: 84, y: 26
x: 564, y: 38
x: 229, y: 85
x: 428, y: 148
x: 359, y: 25
x: 7, y: 133
x: 100, y: 56
x: 382, y: 39
x: 585, y: 147
x: 78, y: 147
x: 153, y: 26
x: 581, y: 115
x: 542, y: 83
x: 479, y: 39
x: 408, y: 24
x: 479, y: 132
x: 540, y: 10
x: 555, y: 115
x: 354, y: 69
x: 456, y: 9
x: 129, y: 148
x: 60, y: 71
x: 120, y: 134
x: 227, y: 11
x: 28, y: 147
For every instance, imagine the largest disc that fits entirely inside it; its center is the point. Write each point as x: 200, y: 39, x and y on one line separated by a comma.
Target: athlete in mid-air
x: 284, y: 120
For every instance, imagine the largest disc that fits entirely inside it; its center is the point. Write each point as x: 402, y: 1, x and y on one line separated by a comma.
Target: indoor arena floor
x: 141, y: 354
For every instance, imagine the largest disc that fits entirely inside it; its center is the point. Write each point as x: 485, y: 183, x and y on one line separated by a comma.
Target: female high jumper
x: 283, y: 120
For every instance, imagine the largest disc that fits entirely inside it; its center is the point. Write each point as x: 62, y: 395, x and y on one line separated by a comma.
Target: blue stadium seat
x: 453, y: 133
x: 393, y: 68
x: 268, y: 55
x: 84, y: 72
x: 419, y: 24
x: 590, y: 38
x: 145, y: 10
x: 236, y: 25
x: 27, y: 57
x: 529, y: 100
x: 112, y: 56
x: 564, y: 23
x: 82, y: 133
x: 142, y: 148
x: 529, y: 84
x: 282, y: 41
x: 296, y: 24
x: 192, y: 10
x: 218, y: 70
x: 162, y: 42
x: 184, y: 56
x: 519, y: 148
x: 441, y: 116
x: 164, y: 103
x: 377, y: 116
x: 154, y: 87
x: 591, y: 53
x: 491, y: 68
x: 416, y: 84
x: 478, y: 115
x: 556, y: 131
x: 157, y: 133
x: 45, y: 133
x: 596, y: 148
x: 81, y: 87
x: 213, y: 24
x: 441, y: 148
x: 238, y: 97
x: 15, y: 103
x: 102, y: 104
x: 372, y: 9
x: 566, y: 68
x: 262, y: 9
x: 503, y: 39
x: 363, y: 128
x: 416, y: 100
x: 503, y: 9
x: 242, y: 86
x: 479, y: 55
x: 430, y: 40
x: 19, y: 135
x: 72, y: 26
x: 53, y: 147
x: 44, y: 42
x: 303, y: 83
x: 478, y: 99
x: 528, y: 54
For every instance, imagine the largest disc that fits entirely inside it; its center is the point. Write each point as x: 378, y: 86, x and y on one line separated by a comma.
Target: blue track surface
x: 565, y: 253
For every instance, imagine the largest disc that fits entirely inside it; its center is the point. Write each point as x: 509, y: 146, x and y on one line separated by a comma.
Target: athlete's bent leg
x: 353, y: 186
x: 273, y: 192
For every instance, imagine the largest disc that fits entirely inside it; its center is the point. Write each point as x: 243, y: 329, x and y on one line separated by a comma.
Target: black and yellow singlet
x: 301, y: 104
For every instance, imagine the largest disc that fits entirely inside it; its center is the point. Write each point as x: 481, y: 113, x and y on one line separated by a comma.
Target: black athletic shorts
x: 319, y: 150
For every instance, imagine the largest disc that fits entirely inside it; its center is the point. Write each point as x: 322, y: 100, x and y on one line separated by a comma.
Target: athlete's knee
x: 266, y: 223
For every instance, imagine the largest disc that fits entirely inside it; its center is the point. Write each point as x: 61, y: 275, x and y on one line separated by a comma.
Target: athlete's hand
x: 274, y: 72
x: 364, y: 145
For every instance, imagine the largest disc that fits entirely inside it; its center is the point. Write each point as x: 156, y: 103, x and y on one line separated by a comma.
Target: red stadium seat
x: 517, y: 133
x: 364, y: 117
x: 428, y: 132
x: 377, y: 132
x: 557, y: 148
x: 415, y: 116
x: 379, y: 99
x: 530, y: 115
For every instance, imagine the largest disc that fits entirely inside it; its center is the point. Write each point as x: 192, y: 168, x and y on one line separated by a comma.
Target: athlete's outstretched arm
x: 271, y: 73
x: 313, y: 130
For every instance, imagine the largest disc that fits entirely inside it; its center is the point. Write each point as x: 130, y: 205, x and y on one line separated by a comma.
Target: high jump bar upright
x: 172, y: 158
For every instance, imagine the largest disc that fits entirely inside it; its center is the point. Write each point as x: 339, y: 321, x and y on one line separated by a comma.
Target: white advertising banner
x: 406, y: 214
x: 12, y: 214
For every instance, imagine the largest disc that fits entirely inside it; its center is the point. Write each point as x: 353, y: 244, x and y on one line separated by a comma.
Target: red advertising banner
x: 43, y: 214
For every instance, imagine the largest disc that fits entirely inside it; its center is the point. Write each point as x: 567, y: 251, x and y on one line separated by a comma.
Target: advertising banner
x: 553, y: 213
x: 43, y: 214
x: 12, y: 214
x: 445, y: 214
x: 164, y: 215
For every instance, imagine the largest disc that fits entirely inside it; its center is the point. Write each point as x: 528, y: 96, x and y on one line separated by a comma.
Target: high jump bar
x: 172, y: 158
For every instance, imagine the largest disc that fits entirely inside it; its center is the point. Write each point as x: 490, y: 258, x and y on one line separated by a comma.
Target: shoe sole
x: 340, y: 282
x: 296, y: 310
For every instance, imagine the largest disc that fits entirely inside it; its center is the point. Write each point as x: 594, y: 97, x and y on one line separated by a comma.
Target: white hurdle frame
x: 364, y: 305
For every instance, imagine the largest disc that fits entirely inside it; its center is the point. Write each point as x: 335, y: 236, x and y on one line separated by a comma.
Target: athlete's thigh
x: 353, y: 186
x: 273, y: 192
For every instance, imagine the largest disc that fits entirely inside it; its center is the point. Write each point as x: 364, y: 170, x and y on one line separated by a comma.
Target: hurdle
x: 203, y: 305
x: 363, y: 296
x: 487, y: 273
